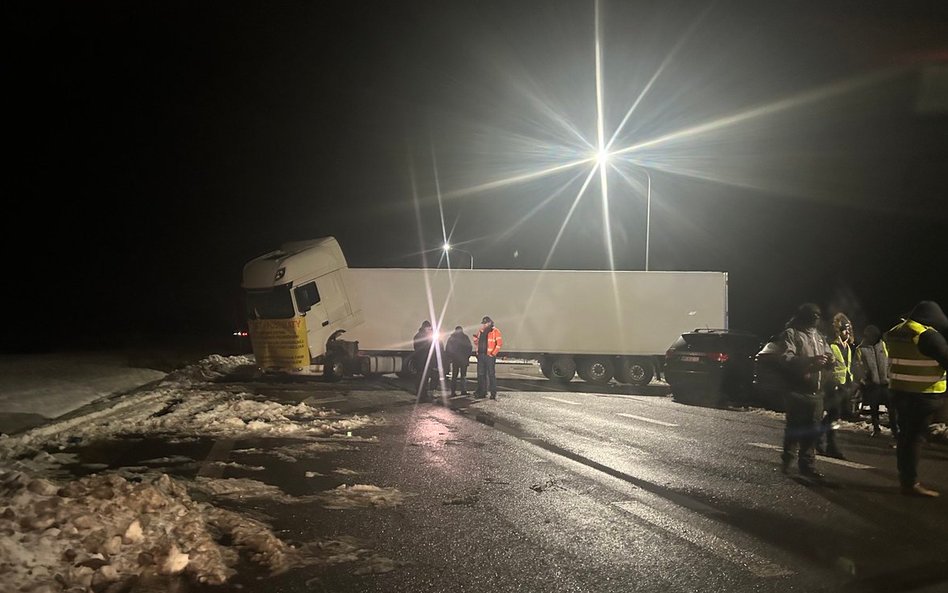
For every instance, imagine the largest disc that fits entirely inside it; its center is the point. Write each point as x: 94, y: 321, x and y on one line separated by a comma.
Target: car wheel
x: 596, y: 369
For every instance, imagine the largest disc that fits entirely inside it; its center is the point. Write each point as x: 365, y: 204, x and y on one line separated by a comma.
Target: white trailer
x: 601, y: 324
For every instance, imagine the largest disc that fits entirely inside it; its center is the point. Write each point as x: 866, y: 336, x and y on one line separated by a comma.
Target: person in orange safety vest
x: 487, y: 344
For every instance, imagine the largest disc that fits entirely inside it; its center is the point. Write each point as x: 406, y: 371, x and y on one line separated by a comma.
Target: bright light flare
x: 602, y: 158
x: 446, y: 247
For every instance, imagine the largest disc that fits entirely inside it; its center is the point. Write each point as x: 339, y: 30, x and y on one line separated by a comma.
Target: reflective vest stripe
x: 910, y: 370
x: 915, y: 363
x: 917, y: 378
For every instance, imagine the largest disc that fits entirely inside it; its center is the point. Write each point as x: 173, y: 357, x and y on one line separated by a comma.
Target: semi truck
x: 308, y: 311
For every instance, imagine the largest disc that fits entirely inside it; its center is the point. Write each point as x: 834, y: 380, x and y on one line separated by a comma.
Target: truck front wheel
x: 596, y: 369
x: 333, y: 369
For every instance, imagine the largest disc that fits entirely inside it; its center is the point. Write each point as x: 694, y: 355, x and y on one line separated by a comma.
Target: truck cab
x: 297, y: 298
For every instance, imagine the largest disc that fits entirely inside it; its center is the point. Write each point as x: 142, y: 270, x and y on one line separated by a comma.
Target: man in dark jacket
x: 458, y: 349
x: 807, y: 362
x: 423, y: 359
x: 918, y: 358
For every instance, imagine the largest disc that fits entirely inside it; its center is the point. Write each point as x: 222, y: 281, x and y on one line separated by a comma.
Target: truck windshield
x: 271, y: 303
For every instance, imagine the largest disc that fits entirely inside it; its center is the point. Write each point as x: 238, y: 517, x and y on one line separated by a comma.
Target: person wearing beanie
x: 872, y: 357
x: 807, y: 361
x: 918, y: 356
x: 487, y: 343
x: 839, y: 393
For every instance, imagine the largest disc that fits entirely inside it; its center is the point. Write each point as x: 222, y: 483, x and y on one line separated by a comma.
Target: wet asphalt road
x: 565, y: 490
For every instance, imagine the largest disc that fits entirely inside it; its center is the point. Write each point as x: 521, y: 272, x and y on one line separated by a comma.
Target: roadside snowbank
x: 134, y: 529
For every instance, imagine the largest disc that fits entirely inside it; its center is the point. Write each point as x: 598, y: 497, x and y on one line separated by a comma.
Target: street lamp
x: 648, y: 213
x: 448, y: 247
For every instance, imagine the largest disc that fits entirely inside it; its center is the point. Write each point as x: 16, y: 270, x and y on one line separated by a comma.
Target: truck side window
x: 306, y: 296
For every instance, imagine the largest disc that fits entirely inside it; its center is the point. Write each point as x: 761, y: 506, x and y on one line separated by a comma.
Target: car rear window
x: 720, y: 342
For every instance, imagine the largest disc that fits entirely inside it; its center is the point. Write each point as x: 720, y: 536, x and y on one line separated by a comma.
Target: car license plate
x: 689, y: 359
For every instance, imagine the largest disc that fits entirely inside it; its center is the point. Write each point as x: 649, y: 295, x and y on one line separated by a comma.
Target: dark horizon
x: 159, y: 147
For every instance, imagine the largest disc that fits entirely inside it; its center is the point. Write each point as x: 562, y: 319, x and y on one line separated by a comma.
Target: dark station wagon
x: 713, y: 367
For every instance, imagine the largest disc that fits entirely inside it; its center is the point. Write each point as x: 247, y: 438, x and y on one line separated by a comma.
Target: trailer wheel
x: 635, y: 371
x: 546, y: 367
x: 408, y: 367
x: 596, y: 369
x: 562, y: 369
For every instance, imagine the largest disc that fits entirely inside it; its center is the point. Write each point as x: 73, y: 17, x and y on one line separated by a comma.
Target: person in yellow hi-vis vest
x: 839, y: 392
x: 918, y: 358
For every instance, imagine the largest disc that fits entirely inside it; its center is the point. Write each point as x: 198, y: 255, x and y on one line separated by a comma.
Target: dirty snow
x: 936, y: 432
x: 137, y: 524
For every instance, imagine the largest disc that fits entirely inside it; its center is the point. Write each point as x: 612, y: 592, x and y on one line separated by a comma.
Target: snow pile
x: 937, y: 433
x: 292, y: 453
x: 135, y: 529
x: 194, y: 413
x: 361, y: 496
x: 341, y: 497
x: 209, y: 369
x: 105, y: 530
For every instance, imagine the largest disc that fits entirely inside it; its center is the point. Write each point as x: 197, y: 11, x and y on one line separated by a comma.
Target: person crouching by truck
x: 807, y: 362
x: 487, y: 343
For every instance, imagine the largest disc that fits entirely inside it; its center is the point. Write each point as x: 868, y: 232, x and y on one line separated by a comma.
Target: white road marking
x: 842, y: 462
x: 623, y: 396
x: 644, y: 419
x: 325, y: 400
x: 526, y: 376
x: 711, y: 543
x: 562, y: 401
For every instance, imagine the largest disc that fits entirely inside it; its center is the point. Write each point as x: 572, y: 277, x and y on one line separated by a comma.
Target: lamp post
x: 448, y: 247
x: 648, y: 213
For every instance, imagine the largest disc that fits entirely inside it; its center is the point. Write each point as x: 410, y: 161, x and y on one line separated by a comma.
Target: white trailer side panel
x: 566, y: 312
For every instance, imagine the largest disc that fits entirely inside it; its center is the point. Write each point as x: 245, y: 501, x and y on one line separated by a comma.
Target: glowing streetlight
x: 448, y: 247
x: 602, y: 158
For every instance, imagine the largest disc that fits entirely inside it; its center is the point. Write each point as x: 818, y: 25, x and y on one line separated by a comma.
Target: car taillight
x: 669, y: 353
x: 718, y: 356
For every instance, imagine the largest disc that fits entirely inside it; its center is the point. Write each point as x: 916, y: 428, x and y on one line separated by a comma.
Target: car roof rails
x: 711, y: 330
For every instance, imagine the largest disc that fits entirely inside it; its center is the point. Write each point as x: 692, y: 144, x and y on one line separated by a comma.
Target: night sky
x: 802, y: 147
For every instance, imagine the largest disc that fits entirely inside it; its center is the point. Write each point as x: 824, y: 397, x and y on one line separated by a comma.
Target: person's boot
x: 810, y: 472
x: 917, y: 489
x: 832, y: 449
x: 786, y: 460
x: 493, y: 396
